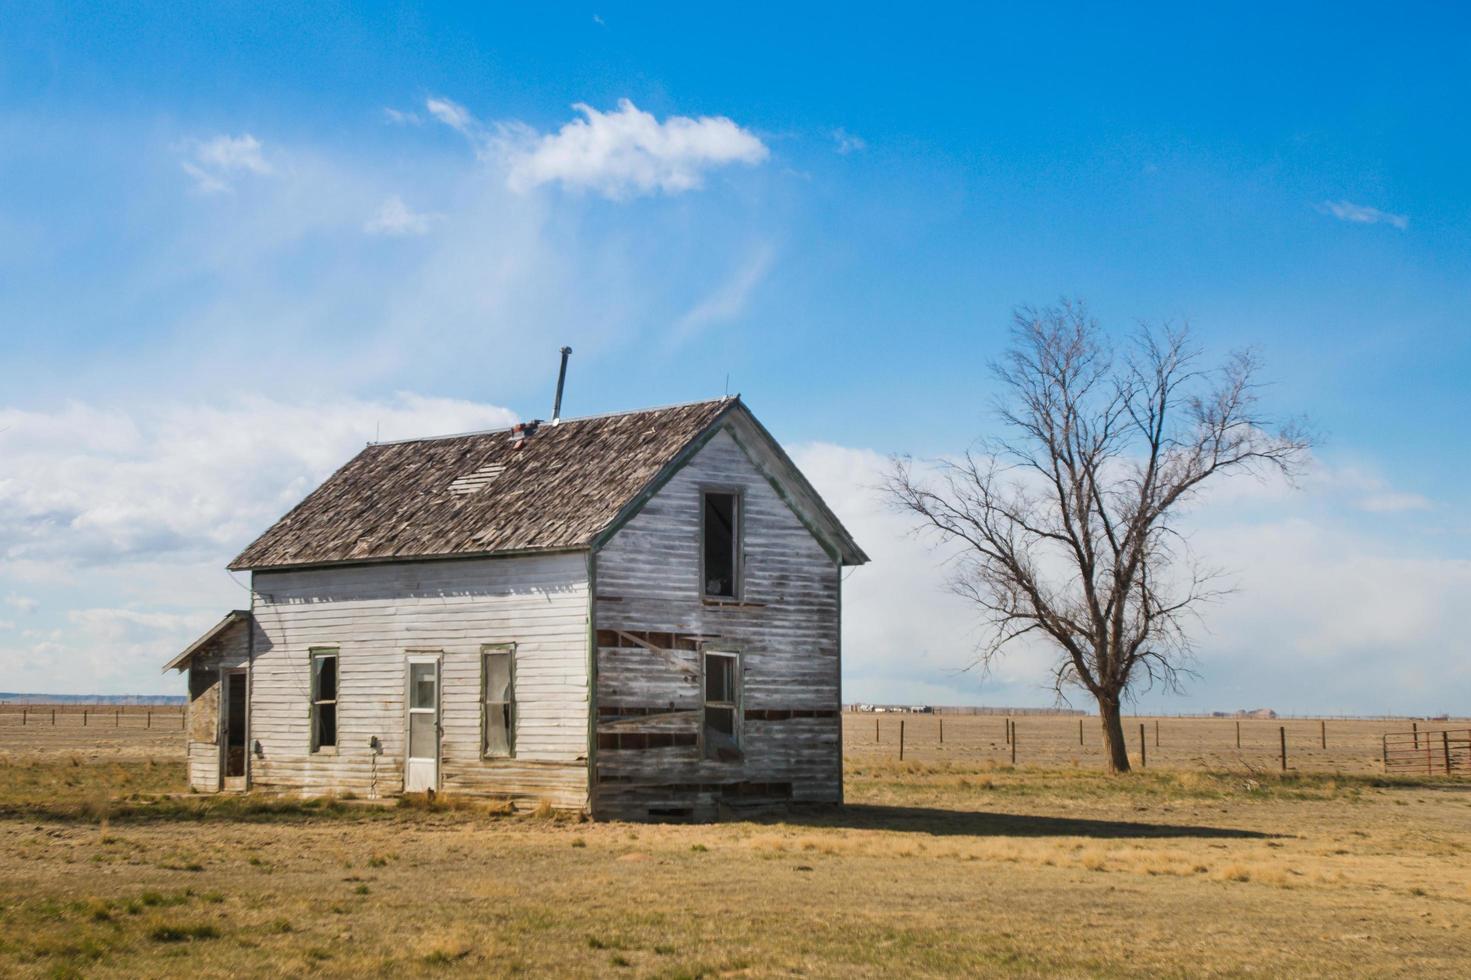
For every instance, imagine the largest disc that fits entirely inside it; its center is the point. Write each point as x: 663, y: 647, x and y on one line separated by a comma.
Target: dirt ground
x: 1208, y: 863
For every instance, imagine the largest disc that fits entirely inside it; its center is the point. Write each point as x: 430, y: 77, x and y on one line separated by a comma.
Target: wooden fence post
x: 117, y: 719
x: 901, y: 739
x: 84, y: 717
x: 1323, y: 731
x: 1282, y: 730
x: 1415, y: 730
x: 1384, y: 750
x: 1011, y: 735
x: 1445, y: 743
x: 875, y: 731
x: 1080, y: 731
x: 942, y: 731
x: 1238, y: 734
x: 1008, y: 731
x: 53, y: 717
x: 1156, y: 733
x: 1143, y: 751
x: 23, y: 712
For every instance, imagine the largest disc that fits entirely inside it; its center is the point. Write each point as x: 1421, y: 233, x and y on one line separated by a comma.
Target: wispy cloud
x: 1362, y: 214
x: 401, y: 118
x: 453, y: 115
x: 846, y: 143
x: 1394, y: 503
x: 216, y: 163
x: 394, y: 217
x: 628, y: 152
x: 729, y: 299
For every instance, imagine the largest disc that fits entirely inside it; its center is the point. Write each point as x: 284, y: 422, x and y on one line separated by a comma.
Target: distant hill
x: 8, y: 697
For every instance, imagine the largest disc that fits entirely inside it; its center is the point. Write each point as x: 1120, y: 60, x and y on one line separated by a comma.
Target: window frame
x: 736, y: 706
x: 486, y: 651
x: 315, y: 702
x: 738, y: 544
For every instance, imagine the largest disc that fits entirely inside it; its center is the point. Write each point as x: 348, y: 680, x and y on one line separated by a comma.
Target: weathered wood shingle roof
x: 478, y: 494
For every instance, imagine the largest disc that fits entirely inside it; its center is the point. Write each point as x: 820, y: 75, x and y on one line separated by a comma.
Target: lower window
x: 722, y: 706
x: 324, y: 699
x: 498, y: 695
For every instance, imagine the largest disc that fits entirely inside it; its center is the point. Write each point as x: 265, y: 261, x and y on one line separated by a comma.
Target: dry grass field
x: 1208, y: 863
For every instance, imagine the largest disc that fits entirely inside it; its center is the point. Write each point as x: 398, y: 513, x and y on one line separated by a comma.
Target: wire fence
x: 134, y: 716
x: 1210, y: 743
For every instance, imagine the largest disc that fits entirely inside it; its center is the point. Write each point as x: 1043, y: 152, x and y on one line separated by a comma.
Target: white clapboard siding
x: 648, y: 579
x: 375, y: 615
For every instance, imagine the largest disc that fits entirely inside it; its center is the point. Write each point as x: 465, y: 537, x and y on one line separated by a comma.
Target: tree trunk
x: 1113, y: 735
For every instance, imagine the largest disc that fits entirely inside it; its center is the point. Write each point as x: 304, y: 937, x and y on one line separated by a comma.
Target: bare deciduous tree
x: 1066, y: 526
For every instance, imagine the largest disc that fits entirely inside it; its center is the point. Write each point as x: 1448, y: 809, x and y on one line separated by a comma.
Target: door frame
x: 436, y: 658
x: 229, y: 676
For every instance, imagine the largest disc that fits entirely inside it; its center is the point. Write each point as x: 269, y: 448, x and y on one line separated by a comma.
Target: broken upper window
x: 498, y: 671
x: 722, y: 697
x: 721, y: 546
x: 324, y: 699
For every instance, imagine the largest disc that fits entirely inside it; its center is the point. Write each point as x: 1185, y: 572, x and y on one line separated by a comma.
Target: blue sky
x: 237, y: 243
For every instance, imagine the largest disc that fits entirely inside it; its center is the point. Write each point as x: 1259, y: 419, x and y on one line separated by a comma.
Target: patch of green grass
x: 154, y: 899
x: 168, y: 933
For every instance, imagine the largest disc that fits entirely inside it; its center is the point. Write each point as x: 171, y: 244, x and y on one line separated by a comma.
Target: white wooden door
x: 421, y: 764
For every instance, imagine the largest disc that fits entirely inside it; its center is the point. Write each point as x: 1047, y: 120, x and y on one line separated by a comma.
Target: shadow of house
x: 983, y: 823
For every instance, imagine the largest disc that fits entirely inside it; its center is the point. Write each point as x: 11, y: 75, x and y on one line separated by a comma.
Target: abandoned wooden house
x: 634, y: 615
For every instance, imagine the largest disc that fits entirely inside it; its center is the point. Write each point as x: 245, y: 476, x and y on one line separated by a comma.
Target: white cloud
x: 1329, y: 616
x: 728, y: 300
x: 619, y: 154
x: 628, y: 152
x: 1362, y: 214
x: 92, y: 484
x: 123, y: 521
x: 216, y: 163
x: 394, y: 217
x: 1390, y: 503
x: 453, y: 115
x: 906, y: 637
x: 399, y: 117
x: 846, y: 143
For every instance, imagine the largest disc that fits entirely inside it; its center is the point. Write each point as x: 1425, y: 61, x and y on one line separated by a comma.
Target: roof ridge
x: 581, y: 418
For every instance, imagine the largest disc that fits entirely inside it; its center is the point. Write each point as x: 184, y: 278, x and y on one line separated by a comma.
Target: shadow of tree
x: 983, y: 823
